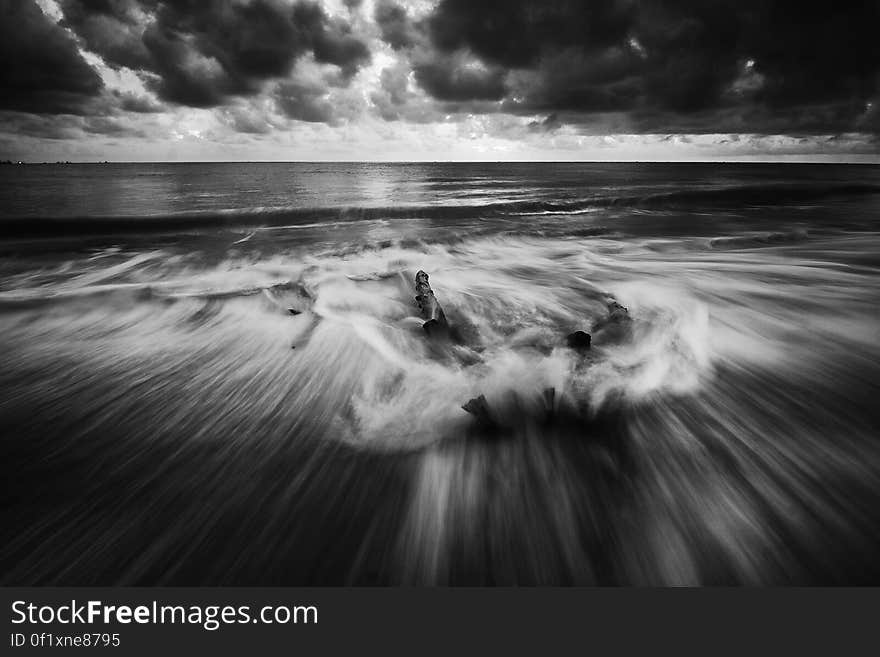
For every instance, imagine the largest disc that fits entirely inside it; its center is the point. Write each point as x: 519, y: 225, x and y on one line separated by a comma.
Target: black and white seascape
x: 419, y: 292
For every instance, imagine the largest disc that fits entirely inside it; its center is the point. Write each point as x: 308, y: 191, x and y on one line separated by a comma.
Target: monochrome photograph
x: 425, y: 293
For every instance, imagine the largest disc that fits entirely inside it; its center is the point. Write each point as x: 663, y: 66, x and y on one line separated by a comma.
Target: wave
x: 727, y: 438
x: 759, y: 239
x: 763, y: 194
x: 249, y: 219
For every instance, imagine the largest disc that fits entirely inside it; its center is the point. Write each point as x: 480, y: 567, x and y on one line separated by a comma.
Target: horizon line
x: 17, y: 162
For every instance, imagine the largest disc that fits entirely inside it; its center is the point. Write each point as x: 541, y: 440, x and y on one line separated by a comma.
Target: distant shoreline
x: 402, y: 162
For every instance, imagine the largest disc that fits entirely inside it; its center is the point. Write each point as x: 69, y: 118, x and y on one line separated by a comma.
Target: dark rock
x: 479, y: 408
x: 617, y: 313
x: 578, y: 340
x: 294, y: 311
x: 615, y: 327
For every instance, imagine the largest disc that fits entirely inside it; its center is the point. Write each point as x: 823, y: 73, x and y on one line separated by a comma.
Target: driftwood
x: 435, y: 321
x: 615, y: 326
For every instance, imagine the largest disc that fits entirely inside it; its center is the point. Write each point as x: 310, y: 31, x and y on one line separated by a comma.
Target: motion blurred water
x: 167, y: 420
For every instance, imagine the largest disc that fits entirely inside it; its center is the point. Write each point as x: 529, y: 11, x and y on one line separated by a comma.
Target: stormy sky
x: 439, y: 79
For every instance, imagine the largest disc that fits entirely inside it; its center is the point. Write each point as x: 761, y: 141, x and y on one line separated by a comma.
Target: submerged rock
x: 616, y: 326
x: 479, y: 408
x: 578, y: 340
x: 617, y: 312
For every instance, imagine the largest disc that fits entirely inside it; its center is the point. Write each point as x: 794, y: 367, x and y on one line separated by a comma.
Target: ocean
x: 217, y: 374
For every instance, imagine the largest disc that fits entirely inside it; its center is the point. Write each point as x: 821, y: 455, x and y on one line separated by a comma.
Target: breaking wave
x: 696, y: 446
x: 293, y: 217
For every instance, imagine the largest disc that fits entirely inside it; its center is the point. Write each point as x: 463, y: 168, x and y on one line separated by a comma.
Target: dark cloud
x: 111, y: 28
x: 42, y: 70
x: 708, y: 65
x: 131, y: 102
x: 457, y: 79
x: 200, y: 54
x: 102, y: 125
x: 184, y: 76
x: 395, y: 100
x: 337, y: 45
x: 395, y: 26
x: 41, y: 126
x: 393, y: 96
x: 66, y: 127
x: 252, y: 117
x: 205, y: 52
x: 660, y: 66
x: 304, y: 102
x: 870, y: 118
x: 814, y: 52
x: 248, y: 122
x: 548, y: 124
x: 571, y: 80
x: 516, y: 33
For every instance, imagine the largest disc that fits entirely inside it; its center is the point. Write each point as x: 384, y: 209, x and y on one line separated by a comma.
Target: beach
x: 216, y: 374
